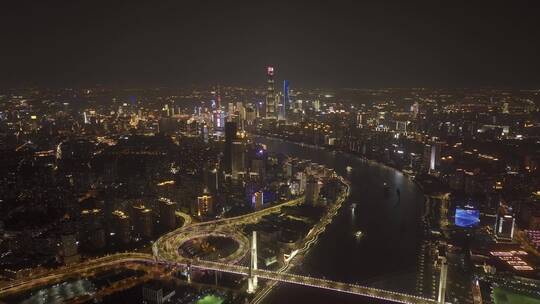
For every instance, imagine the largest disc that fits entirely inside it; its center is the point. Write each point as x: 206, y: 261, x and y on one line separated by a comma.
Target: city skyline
x: 203, y: 152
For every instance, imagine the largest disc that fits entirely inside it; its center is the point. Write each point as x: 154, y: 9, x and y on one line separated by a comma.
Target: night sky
x: 312, y: 43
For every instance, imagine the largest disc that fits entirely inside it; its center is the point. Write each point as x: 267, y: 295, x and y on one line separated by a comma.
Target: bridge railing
x: 314, y: 282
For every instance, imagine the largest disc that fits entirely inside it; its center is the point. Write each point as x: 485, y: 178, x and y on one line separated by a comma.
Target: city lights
x: 207, y: 152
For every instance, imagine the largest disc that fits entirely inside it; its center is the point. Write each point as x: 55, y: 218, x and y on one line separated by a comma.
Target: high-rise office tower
x: 167, y: 217
x: 230, y: 136
x: 121, y: 227
x: 302, y: 181
x: 239, y: 106
x: 317, y: 105
x: 218, y: 114
x: 432, y: 156
x: 241, y: 115
x: 257, y: 200
x: 217, y: 97
x: 505, y: 108
x: 286, y: 101
x: 312, y: 190
x: 230, y: 111
x: 359, y: 119
x: 504, y: 224
x: 270, y: 94
x: 219, y: 120
x: 144, y: 225
x: 211, y: 177
x: 237, y: 159
x: 414, y: 109
x: 205, y: 204
x: 258, y: 166
x: 93, y: 232
x: 250, y: 115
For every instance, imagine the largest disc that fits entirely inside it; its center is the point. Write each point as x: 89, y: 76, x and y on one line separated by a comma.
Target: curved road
x: 166, y: 247
x: 85, y: 268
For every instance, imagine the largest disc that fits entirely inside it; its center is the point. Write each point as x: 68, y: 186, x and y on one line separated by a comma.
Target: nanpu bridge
x: 311, y: 282
x: 166, y: 251
x: 215, y: 266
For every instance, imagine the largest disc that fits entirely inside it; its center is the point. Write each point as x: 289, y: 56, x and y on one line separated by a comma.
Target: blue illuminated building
x: 467, y: 217
x: 286, y: 101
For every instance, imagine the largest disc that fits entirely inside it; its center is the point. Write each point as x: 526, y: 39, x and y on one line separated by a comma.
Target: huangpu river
x: 386, y: 256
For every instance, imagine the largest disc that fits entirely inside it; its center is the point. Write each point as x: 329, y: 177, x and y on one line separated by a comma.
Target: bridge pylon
x: 188, y: 272
x: 442, y: 281
x: 252, y: 279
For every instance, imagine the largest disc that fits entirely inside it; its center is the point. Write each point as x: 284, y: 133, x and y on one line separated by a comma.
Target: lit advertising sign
x: 467, y: 217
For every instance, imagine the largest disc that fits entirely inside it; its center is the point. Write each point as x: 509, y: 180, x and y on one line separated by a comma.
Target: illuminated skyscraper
x: 505, y: 108
x: 504, y: 224
x: 317, y: 105
x: 205, y: 204
x: 219, y: 120
x: 415, y: 109
x: 359, y: 120
x: 432, y: 156
x: 251, y: 114
x: 218, y: 114
x: 241, y: 115
x: 257, y: 200
x: 270, y: 94
x: 230, y: 110
x: 90, y: 117
x: 286, y: 101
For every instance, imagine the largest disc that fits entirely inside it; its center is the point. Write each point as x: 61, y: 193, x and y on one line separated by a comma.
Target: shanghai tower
x: 270, y: 94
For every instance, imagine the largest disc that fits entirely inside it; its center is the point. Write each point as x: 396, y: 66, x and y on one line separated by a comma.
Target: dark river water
x: 386, y: 257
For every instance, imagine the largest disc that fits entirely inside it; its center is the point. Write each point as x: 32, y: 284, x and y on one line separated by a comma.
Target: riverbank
x: 310, y: 240
x: 392, y: 228
x: 421, y: 185
x: 335, y: 150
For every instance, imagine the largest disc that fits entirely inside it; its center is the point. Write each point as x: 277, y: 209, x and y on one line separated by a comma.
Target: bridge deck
x: 315, y: 282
